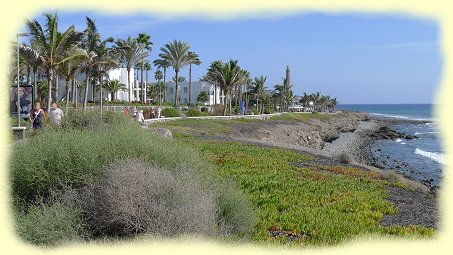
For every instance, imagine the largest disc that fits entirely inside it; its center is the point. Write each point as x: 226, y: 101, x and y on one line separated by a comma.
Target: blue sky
x: 355, y: 57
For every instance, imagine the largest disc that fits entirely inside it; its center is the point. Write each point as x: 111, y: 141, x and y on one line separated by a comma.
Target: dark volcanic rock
x: 414, y: 208
x: 390, y: 134
x: 330, y: 138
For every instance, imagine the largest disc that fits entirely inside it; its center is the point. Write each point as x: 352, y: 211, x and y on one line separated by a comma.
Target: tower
x: 287, y: 85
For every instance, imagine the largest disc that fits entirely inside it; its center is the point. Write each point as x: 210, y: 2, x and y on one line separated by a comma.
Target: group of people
x: 138, y: 114
x: 38, y: 117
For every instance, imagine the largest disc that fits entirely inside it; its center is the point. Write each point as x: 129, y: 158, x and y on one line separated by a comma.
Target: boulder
x: 164, y: 132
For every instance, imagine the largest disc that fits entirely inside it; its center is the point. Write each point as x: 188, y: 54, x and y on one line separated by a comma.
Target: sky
x: 358, y: 58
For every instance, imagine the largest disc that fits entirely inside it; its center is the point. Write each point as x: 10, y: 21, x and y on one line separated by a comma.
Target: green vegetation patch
x: 319, y: 205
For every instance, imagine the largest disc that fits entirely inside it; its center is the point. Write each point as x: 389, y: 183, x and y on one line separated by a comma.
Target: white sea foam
x: 438, y: 157
x: 398, y: 140
x: 403, y: 143
x: 400, y: 117
x: 424, y: 133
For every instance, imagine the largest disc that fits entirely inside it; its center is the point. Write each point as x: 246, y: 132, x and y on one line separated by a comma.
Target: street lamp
x: 18, y: 74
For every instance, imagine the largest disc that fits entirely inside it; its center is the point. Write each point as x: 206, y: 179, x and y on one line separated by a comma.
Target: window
x: 185, y: 100
x: 171, y: 90
x: 212, y: 92
x: 186, y: 90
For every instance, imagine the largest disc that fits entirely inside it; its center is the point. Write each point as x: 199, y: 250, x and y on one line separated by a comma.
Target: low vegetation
x: 88, y: 161
x: 321, y: 205
x: 195, y: 113
x: 170, y: 112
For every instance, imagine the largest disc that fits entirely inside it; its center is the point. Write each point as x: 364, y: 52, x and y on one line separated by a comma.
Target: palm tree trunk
x: 165, y: 84
x: 225, y: 105
x: 49, y: 93
x: 87, y: 81
x: 190, y: 84
x: 74, y: 91
x: 215, y: 94
x: 35, y: 94
x: 67, y: 94
x: 100, y: 91
x: 28, y: 75
x: 146, y: 87
x: 229, y: 100
x: 57, y: 89
x: 129, y: 83
x: 257, y: 103
x: 176, y: 88
x: 246, y: 97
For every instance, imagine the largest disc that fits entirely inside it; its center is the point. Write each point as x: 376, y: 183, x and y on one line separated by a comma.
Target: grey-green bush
x: 170, y: 112
x: 195, y: 113
x: 54, y: 222
x: 76, y: 156
x: 136, y: 197
x: 235, y: 215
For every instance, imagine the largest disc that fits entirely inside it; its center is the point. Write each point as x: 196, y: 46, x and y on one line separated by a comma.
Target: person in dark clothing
x: 38, y: 117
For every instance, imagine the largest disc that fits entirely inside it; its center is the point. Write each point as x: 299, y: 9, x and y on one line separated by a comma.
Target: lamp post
x: 18, y: 79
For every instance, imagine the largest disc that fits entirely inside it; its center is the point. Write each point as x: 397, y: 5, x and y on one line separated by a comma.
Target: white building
x: 134, y: 89
x: 121, y: 75
x: 93, y: 94
x: 215, y: 95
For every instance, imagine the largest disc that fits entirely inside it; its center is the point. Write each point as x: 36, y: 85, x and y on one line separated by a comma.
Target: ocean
x: 420, y: 159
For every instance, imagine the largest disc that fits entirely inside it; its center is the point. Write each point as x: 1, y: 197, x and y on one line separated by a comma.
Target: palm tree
x: 147, y: 67
x: 69, y: 69
x: 106, y: 59
x: 180, y: 79
x: 193, y: 60
x: 227, y: 76
x: 34, y: 60
x: 90, y: 43
x: 258, y: 89
x: 279, y: 91
x: 42, y: 88
x: 162, y: 63
x: 144, y: 40
x: 113, y: 86
x: 51, y: 46
x: 176, y: 54
x: 158, y: 76
x: 334, y: 103
x: 131, y: 53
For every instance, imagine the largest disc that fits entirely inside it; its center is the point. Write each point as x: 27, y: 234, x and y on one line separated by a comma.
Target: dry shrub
x: 136, y: 197
x: 346, y: 158
x: 217, y: 110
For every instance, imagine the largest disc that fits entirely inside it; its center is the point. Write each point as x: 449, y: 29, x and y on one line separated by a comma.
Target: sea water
x: 422, y: 158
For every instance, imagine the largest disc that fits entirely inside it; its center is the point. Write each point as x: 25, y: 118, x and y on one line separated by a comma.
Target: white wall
x: 197, y: 87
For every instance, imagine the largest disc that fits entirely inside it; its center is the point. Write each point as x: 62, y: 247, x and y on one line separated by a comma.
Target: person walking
x: 56, y: 114
x: 158, y: 112
x: 134, y: 112
x: 38, y: 117
x: 140, y: 118
x: 126, y: 111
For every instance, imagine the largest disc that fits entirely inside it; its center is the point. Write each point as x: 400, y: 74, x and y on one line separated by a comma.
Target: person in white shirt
x: 158, y: 112
x: 56, y: 114
x: 140, y: 118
